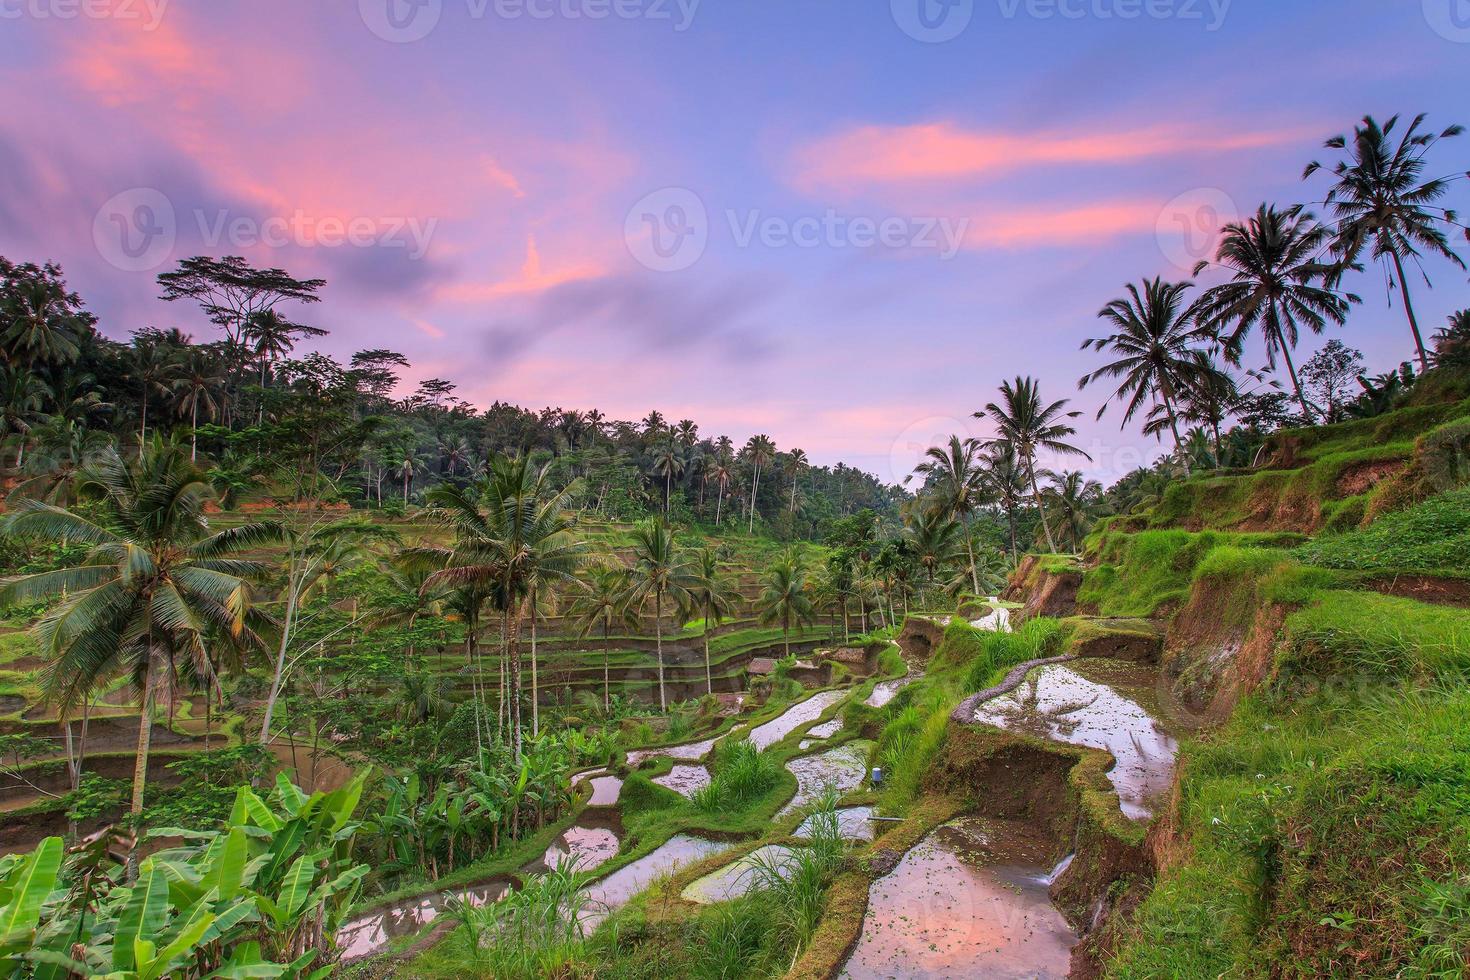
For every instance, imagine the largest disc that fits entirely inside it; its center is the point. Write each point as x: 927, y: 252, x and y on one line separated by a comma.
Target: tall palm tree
x: 155, y: 584
x: 603, y: 600
x: 1156, y: 342
x: 932, y: 539
x: 660, y: 574
x: 270, y: 337
x: 1278, y: 285
x: 1005, y: 477
x: 407, y: 461
x: 721, y: 472
x: 1382, y: 203
x: 711, y: 595
x: 956, y: 485
x: 151, y: 362
x: 1029, y: 424
x: 784, y: 598
x: 759, y: 452
x: 668, y: 463
x: 1074, y: 499
x: 796, y: 463
x: 197, y: 388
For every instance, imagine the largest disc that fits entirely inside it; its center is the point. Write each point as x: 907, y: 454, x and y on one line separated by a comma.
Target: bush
x: 741, y: 774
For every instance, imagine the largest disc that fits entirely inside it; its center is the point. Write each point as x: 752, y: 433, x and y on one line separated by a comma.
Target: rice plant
x: 532, y: 933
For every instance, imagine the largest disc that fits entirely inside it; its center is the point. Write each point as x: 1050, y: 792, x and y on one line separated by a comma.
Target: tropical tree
x: 956, y: 485
x: 932, y: 538
x: 712, y: 597
x: 1278, y: 285
x: 1028, y: 424
x: 152, y: 359
x: 660, y: 574
x: 721, y: 472
x: 601, y: 602
x: 1383, y: 204
x: 1073, y: 500
x: 759, y: 451
x: 22, y: 395
x: 669, y: 463
x: 198, y: 388
x: 1005, y: 477
x: 784, y: 597
x: 1157, y: 343
x: 155, y: 585
x: 42, y: 323
x: 796, y: 464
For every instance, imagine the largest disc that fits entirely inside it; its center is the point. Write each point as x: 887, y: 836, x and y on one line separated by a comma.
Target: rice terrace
x: 601, y: 490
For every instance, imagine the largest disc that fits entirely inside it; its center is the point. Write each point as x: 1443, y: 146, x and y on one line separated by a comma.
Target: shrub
x: 741, y: 774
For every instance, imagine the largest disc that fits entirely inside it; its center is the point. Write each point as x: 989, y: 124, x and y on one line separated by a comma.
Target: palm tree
x: 1028, y: 424
x: 1274, y: 287
x: 956, y: 485
x: 1006, y: 480
x: 759, y: 452
x: 721, y: 473
x: 784, y: 598
x: 1074, y: 499
x: 712, y: 597
x: 155, y: 584
x: 602, y: 600
x: 1155, y: 342
x: 152, y: 359
x: 21, y: 396
x: 659, y: 573
x: 796, y: 463
x: 197, y: 389
x: 43, y: 322
x: 1382, y: 203
x: 62, y: 449
x: 931, y: 534
x: 270, y: 337
x: 669, y: 463
x: 408, y: 461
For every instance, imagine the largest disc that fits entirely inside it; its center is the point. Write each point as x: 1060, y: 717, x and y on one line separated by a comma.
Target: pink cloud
x: 946, y: 151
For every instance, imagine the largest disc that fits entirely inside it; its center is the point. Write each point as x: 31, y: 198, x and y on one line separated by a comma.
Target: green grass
x: 1348, y: 634
x: 740, y: 775
x: 1432, y: 536
x: 1137, y: 574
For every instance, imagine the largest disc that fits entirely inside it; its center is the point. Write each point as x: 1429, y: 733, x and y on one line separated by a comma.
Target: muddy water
x: 853, y: 822
x: 999, y: 619
x: 365, y: 936
x: 886, y: 691
x: 764, y: 736
x: 685, y: 779
x: 826, y: 729
x: 606, y: 788
x: 842, y: 768
x: 688, y: 752
x: 738, y: 877
x: 1100, y: 704
x: 588, y: 844
x: 968, y: 901
x: 616, y: 889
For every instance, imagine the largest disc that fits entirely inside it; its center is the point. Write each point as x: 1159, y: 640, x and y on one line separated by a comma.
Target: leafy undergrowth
x: 1431, y: 535
x: 1138, y: 574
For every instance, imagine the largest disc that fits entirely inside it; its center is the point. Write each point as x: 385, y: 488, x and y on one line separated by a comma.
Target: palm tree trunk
x: 606, y: 671
x: 1296, y: 385
x: 140, y: 762
x: 515, y: 683
x: 970, y: 547
x: 719, y: 503
x: 194, y: 431
x: 846, y: 630
x: 1051, y: 543
x: 143, y: 430
x: 658, y: 632
x: 709, y: 681
x: 1398, y: 264
x: 535, y: 681
x: 755, y: 486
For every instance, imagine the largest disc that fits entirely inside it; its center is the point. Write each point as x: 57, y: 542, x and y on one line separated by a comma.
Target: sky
x: 838, y: 222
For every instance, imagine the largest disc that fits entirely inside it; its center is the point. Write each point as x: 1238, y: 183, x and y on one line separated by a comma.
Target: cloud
x: 869, y: 155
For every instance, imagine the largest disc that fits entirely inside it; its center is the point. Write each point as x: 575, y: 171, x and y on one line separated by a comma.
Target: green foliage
x: 1432, y: 536
x: 740, y: 775
x: 1348, y: 634
x: 534, y: 932
x: 1139, y: 573
x: 642, y: 795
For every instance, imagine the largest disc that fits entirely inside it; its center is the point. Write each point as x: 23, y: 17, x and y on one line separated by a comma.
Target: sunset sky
x: 890, y: 222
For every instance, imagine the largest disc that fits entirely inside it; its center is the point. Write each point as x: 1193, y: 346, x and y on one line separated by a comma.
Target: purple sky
x: 839, y: 222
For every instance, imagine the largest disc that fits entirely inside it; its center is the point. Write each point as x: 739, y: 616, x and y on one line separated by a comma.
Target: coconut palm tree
x: 1029, y: 424
x: 712, y: 597
x: 721, y: 472
x: 668, y: 462
x: 151, y: 362
x: 1383, y: 204
x: 759, y: 451
x: 796, y: 464
x: 660, y: 574
x: 1074, y: 500
x: 601, y: 601
x: 270, y: 336
x: 1006, y: 479
x: 956, y: 485
x: 933, y: 539
x: 784, y: 598
x: 1277, y: 286
x: 198, y: 388
x: 1157, y: 343
x: 43, y: 322
x: 156, y: 582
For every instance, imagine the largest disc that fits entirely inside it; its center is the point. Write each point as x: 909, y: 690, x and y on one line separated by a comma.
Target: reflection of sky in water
x: 685, y: 779
x: 842, y: 768
x: 1058, y: 703
x: 764, y: 736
